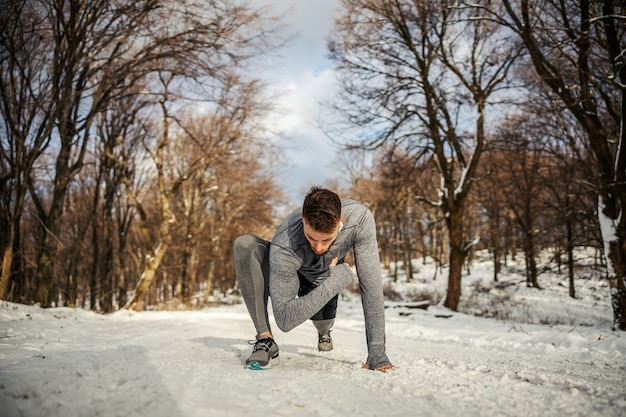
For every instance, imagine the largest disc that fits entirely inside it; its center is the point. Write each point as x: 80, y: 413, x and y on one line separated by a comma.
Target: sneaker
x: 264, y: 354
x: 325, y: 342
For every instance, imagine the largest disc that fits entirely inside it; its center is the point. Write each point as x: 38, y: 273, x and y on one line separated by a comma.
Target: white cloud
x: 304, y: 77
x: 309, y: 153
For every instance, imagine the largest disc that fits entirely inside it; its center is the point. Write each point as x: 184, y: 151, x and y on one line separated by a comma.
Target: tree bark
x: 457, y: 258
x: 149, y: 272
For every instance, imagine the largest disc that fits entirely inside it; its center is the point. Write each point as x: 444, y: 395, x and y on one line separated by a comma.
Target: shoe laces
x: 262, y: 344
x: 325, y: 338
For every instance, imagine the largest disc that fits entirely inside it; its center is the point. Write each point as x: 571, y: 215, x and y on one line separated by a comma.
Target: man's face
x: 320, y: 242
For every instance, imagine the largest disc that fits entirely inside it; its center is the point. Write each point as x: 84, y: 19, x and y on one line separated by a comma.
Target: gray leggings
x: 252, y: 266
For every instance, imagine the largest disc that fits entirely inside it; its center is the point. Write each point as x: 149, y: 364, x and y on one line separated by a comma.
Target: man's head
x: 321, y: 216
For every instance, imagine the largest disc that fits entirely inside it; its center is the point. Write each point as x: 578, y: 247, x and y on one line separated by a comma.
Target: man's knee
x: 245, y: 243
x: 251, y: 247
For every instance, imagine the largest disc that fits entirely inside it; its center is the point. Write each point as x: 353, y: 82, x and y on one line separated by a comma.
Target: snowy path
x: 62, y: 362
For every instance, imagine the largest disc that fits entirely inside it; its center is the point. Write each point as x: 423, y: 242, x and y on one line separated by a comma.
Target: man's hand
x: 383, y: 368
x: 334, y: 262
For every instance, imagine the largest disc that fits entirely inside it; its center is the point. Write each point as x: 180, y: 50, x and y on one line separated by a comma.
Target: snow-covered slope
x: 67, y: 362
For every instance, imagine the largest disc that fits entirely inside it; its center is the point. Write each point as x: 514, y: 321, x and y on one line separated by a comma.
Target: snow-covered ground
x: 532, y: 353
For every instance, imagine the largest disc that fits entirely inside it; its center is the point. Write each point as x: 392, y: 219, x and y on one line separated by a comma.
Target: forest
x: 134, y: 148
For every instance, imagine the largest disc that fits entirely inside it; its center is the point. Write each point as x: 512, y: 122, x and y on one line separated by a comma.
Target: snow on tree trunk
x: 614, y: 250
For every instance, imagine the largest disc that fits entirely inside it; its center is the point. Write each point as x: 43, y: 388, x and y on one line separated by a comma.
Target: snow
x: 608, y: 227
x: 532, y: 353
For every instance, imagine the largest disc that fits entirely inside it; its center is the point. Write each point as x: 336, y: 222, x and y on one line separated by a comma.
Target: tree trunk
x: 531, y: 262
x: 166, y: 219
x: 51, y: 220
x: 396, y: 250
x: 209, y: 283
x: 614, y: 237
x: 7, y: 264
x: 12, y: 240
x: 149, y: 272
x: 106, y: 275
x: 495, y: 234
x: 457, y: 258
x: 45, y: 272
x: 120, y: 266
x: 407, y: 253
x: 94, y: 279
x: 570, y: 257
x: 46, y: 259
x: 189, y: 245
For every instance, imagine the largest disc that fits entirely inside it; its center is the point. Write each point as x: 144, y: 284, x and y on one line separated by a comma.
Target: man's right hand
x: 334, y: 262
x: 383, y: 368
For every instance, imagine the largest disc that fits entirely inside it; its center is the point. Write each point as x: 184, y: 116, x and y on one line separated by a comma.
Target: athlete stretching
x: 302, y: 270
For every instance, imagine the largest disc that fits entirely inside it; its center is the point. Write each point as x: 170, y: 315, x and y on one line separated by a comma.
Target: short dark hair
x: 322, y: 209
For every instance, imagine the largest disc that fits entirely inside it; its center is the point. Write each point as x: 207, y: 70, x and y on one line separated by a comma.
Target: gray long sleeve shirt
x: 291, y: 255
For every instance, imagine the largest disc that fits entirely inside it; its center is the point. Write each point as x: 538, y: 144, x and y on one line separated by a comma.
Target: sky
x: 513, y: 351
x: 302, y: 77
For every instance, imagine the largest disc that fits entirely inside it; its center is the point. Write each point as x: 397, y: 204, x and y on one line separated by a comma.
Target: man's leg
x: 323, y: 321
x: 252, y: 268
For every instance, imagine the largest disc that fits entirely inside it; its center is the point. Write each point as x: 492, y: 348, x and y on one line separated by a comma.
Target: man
x: 302, y: 270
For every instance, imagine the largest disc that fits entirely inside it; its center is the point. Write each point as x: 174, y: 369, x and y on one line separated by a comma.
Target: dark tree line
x: 129, y: 132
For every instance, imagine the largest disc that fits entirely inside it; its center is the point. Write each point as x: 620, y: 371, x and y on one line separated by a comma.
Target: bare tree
x: 208, y: 147
x: 493, y: 205
x: 27, y: 121
x: 572, y: 204
x: 412, y: 72
x: 244, y: 202
x: 119, y: 135
x: 88, y: 63
x: 515, y: 171
x: 577, y: 49
x: 64, y: 62
x: 188, y: 169
x: 155, y: 247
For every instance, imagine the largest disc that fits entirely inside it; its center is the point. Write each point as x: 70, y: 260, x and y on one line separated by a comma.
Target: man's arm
x: 290, y: 310
x: 369, y: 273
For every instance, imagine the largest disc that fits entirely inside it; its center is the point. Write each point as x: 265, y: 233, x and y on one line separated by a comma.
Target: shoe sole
x: 255, y: 366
